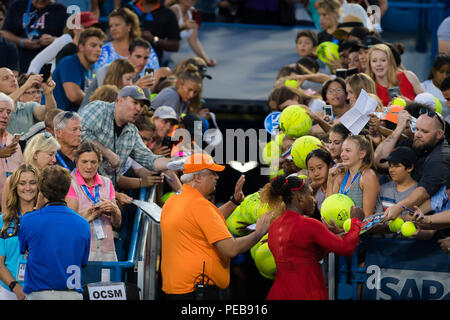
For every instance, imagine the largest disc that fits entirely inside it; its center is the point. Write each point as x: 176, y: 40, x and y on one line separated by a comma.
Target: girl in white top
x: 439, y: 71
x: 189, y: 28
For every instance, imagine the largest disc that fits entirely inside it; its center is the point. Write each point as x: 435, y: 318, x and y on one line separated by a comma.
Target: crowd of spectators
x: 89, y: 113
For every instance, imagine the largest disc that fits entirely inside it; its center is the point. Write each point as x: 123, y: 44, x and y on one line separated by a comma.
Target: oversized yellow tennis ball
x: 257, y: 245
x: 347, y: 224
x: 291, y: 83
x: 408, y: 229
x: 336, y: 207
x: 438, y: 105
x: 166, y: 196
x: 279, y: 139
x: 265, y: 262
x: 326, y: 50
x: 396, y: 224
x: 294, y: 121
x: 274, y: 173
x: 270, y: 152
x: 301, y: 148
x: 233, y: 222
x: 399, y: 102
x: 253, y: 209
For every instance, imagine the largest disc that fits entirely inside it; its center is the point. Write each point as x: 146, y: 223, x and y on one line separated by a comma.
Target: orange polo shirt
x: 190, y: 225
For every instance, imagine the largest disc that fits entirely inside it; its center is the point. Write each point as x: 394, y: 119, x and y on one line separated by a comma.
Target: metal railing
x: 143, y: 252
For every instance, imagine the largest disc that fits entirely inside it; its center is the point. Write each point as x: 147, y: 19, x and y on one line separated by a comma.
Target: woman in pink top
x: 93, y: 197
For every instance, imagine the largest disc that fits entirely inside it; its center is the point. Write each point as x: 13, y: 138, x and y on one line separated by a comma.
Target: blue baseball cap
x: 134, y: 92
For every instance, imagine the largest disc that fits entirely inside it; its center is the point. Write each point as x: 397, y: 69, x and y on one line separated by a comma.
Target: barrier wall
x: 395, y: 269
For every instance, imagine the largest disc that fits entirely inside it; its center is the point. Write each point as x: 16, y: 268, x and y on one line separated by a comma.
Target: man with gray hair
x: 67, y: 127
x: 196, y: 245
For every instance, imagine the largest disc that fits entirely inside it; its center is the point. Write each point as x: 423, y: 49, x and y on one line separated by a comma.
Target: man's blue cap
x: 134, y: 92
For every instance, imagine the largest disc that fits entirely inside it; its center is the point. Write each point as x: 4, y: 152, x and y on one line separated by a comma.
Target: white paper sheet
x: 357, y: 117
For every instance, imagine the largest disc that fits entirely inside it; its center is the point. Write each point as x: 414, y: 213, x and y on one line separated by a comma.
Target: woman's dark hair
x: 340, y: 129
x: 445, y: 85
x: 327, y: 84
x: 322, y: 154
x: 286, y: 71
x: 143, y: 123
x: 440, y: 60
x: 87, y: 146
x: 284, y: 93
x: 283, y: 185
x: 413, y: 108
x: 397, y: 50
x: 310, y: 63
x: 54, y: 183
x: 24, y: 77
x: 359, y: 32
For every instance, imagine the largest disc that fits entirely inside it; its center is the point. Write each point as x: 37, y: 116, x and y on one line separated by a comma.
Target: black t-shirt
x: 64, y: 161
x: 432, y: 167
x: 161, y: 22
x: 9, y: 55
x: 49, y: 20
x: 68, y: 50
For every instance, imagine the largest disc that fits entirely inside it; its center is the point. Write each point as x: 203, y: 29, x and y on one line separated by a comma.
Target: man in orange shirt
x: 196, y: 244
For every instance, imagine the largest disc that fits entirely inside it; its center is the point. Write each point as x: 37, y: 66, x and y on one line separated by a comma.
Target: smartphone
x: 341, y: 73
x: 167, y: 141
x: 328, y: 110
x: 197, y: 16
x: 149, y: 71
x: 46, y: 71
x: 351, y: 71
x: 17, y: 136
x: 393, y: 92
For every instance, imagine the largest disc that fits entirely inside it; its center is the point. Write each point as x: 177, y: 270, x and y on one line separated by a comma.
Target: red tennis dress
x: 406, y: 89
x: 298, y: 243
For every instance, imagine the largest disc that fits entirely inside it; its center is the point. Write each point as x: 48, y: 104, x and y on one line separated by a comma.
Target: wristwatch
x: 232, y: 199
x: 155, y: 40
x: 12, y: 285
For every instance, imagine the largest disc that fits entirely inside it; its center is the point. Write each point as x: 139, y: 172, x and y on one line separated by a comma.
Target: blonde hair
x: 392, y: 66
x: 39, y: 143
x: 331, y: 6
x: 361, y: 81
x: 106, y: 92
x: 12, y: 202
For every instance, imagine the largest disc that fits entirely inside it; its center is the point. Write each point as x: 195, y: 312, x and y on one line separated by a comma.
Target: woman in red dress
x: 384, y: 71
x: 299, y: 242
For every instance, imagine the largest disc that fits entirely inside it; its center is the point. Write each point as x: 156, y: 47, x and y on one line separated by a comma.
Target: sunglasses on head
x: 432, y: 114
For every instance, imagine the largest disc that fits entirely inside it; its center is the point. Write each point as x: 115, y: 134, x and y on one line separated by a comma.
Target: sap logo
x: 395, y: 284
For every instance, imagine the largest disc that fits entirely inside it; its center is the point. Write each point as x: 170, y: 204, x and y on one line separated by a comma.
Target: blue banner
x: 409, y: 269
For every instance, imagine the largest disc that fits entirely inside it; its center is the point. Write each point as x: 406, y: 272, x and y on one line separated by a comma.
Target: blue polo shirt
x: 69, y: 69
x: 9, y: 249
x: 58, y: 242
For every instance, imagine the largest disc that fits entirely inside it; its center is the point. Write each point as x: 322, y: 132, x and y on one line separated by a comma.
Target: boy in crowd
x: 402, y: 161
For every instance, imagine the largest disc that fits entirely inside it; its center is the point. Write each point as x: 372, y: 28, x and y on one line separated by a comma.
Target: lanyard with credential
x: 344, y: 182
x: 98, y: 227
x: 96, y: 197
x: 61, y: 160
